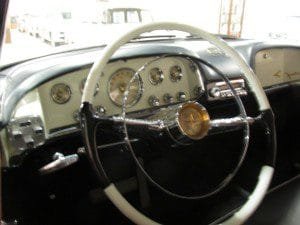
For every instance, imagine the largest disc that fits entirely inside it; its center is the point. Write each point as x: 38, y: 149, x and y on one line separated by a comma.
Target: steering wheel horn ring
x: 89, y: 123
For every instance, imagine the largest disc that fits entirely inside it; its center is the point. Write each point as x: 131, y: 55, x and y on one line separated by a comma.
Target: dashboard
x: 165, y: 80
x: 275, y: 66
x: 51, y: 108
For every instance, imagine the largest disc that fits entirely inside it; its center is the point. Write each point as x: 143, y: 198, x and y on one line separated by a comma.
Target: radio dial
x: 215, y: 92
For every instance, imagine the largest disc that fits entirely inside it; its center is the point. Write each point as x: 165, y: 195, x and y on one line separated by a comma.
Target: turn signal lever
x: 60, y: 162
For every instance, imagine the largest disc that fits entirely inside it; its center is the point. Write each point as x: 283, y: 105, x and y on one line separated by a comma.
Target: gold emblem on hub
x: 193, y: 120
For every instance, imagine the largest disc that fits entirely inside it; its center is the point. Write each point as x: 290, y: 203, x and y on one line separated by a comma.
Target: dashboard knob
x: 181, y: 96
x: 76, y: 116
x: 168, y: 98
x: 17, y: 134
x: 215, y: 92
x: 100, y: 110
x: 153, y: 100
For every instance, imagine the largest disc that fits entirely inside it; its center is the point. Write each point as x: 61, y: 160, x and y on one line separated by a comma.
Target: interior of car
x: 164, y: 123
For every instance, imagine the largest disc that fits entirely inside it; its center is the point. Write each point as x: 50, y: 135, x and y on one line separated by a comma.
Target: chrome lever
x: 60, y: 162
x: 14, y: 222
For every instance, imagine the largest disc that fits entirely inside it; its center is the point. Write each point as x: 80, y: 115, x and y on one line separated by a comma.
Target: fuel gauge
x: 156, y: 76
x: 61, y: 93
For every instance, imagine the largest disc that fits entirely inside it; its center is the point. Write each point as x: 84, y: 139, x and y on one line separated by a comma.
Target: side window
x: 133, y: 16
x: 118, y: 17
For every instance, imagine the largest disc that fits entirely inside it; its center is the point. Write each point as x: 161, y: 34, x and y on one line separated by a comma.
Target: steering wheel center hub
x: 193, y: 120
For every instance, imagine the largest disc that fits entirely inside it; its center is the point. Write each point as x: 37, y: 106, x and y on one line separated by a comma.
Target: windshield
x: 41, y: 27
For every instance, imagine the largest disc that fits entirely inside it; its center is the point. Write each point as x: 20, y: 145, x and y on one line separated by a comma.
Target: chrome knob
x: 153, y: 100
x: 76, y: 116
x: 38, y: 130
x: 181, y: 96
x: 17, y: 134
x: 168, y: 98
x: 215, y: 92
x: 14, y: 222
x: 100, y: 110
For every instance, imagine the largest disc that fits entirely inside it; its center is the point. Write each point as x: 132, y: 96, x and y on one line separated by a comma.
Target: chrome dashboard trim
x: 26, y: 133
x: 219, y: 90
x: 116, y: 143
x: 64, y: 131
x: 156, y: 124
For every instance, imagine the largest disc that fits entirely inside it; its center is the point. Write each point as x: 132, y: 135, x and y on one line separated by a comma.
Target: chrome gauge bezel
x: 161, y: 78
x: 140, y: 89
x: 53, y: 93
x: 171, y: 76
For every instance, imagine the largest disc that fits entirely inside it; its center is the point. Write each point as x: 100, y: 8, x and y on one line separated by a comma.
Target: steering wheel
x: 195, y: 129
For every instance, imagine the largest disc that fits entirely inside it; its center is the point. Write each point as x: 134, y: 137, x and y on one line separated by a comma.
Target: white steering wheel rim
x: 266, y: 172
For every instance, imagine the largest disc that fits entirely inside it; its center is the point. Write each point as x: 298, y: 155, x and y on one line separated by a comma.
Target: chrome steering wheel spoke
x: 225, y: 125
x: 152, y: 124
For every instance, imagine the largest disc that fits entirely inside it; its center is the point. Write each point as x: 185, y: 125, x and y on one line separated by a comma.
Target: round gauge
x: 156, y: 76
x: 82, y: 87
x: 175, y: 73
x: 61, y: 93
x: 118, y: 85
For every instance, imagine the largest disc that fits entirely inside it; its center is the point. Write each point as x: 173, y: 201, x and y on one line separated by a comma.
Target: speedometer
x: 118, y: 85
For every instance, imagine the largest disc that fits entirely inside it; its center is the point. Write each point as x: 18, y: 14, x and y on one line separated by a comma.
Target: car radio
x: 220, y: 90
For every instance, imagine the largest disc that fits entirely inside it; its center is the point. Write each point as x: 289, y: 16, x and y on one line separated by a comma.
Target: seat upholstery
x: 280, y: 207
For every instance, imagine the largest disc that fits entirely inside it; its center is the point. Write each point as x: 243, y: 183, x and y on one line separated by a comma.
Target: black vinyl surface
x: 280, y: 207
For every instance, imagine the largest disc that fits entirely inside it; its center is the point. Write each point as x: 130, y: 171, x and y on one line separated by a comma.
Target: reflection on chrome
x: 157, y: 124
x: 230, y: 122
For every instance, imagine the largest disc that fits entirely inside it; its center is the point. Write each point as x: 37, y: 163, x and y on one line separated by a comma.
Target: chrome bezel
x: 170, y: 73
x: 168, y: 98
x: 52, y: 94
x: 139, y: 93
x: 178, y: 96
x: 161, y: 78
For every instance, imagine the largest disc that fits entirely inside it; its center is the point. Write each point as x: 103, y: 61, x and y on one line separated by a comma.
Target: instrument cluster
x: 118, y: 82
x: 163, y: 81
